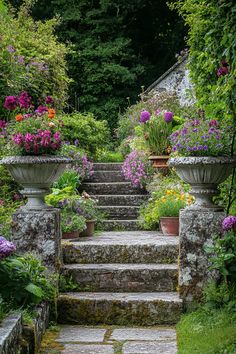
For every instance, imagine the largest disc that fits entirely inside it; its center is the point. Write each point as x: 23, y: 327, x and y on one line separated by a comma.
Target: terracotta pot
x: 170, y: 226
x: 159, y: 161
x: 89, y: 231
x: 70, y: 235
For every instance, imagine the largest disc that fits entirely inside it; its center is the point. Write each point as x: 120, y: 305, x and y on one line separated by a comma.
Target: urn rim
x: 47, y: 159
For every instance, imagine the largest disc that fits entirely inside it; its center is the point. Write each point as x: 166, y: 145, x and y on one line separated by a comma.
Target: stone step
x: 107, y: 176
x: 120, y: 225
x: 120, y: 308
x: 123, y: 247
x: 111, y: 188
x: 125, y: 199
x: 124, y: 277
x: 120, y: 212
x: 107, y: 166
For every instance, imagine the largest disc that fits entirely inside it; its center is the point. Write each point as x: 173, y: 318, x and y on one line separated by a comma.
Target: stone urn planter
x: 159, y: 161
x: 204, y: 174
x: 35, y: 174
x: 170, y: 225
x: 89, y: 231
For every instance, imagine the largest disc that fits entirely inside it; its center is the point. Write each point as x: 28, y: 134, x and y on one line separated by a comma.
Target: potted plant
x: 156, y: 129
x: 203, y: 158
x: 87, y: 207
x: 35, y: 140
x: 168, y: 208
x: 72, y: 224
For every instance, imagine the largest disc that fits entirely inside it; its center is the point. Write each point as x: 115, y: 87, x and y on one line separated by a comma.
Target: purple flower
x: 229, y: 223
x: 21, y: 59
x: 57, y: 136
x: 6, y: 248
x: 3, y: 124
x: 222, y: 71
x: 49, y: 100
x: 76, y: 142
x: 214, y: 123
x: 41, y: 110
x: 157, y: 112
x: 11, y: 102
x: 24, y: 100
x: 11, y: 49
x: 144, y: 116
x: 168, y: 117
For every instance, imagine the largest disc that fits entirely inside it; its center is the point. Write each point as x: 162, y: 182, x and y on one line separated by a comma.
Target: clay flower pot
x: 159, y: 161
x: 70, y: 235
x: 203, y: 174
x: 170, y: 226
x: 89, y: 231
x: 36, y: 174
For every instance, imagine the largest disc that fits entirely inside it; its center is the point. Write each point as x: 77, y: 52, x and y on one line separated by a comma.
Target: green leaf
x: 34, y: 289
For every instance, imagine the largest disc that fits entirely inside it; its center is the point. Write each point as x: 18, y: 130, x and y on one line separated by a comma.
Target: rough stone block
x: 87, y: 349
x: 81, y: 334
x: 197, y: 229
x: 10, y: 333
x: 143, y: 334
x: 38, y: 231
x: 149, y: 348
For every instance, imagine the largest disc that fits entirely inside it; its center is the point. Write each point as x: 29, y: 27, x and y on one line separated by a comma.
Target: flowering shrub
x: 200, y: 138
x: 34, y: 132
x: 6, y: 248
x: 171, y: 202
x: 137, y: 169
x: 156, y: 128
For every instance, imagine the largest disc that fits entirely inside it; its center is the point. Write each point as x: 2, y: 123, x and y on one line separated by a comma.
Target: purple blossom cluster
x: 199, y: 138
x: 229, y: 223
x: 223, y: 69
x: 84, y: 167
x: 44, y: 141
x: 6, y: 248
x: 136, y: 169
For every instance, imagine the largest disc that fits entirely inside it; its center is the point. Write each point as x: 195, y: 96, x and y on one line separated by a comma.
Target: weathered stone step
x: 135, y: 200
x: 120, y: 212
x: 111, y: 188
x: 107, y: 166
x: 119, y: 308
x: 124, y: 277
x: 107, y: 176
x: 123, y: 247
x: 120, y: 225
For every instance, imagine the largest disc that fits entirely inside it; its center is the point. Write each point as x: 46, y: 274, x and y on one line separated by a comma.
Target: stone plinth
x: 38, y: 231
x: 197, y: 229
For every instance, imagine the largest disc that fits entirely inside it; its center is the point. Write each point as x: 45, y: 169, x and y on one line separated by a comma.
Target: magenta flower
x: 49, y: 100
x: 57, y: 136
x: 25, y: 100
x: 214, y: 123
x: 168, y: 117
x: 229, y: 223
x: 3, y: 124
x: 41, y: 110
x: 11, y: 102
x: 6, y: 248
x: 222, y: 71
x: 144, y: 116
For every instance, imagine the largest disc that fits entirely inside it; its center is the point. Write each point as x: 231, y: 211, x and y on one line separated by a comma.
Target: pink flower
x: 25, y: 100
x: 11, y: 102
x: 41, y: 110
x: 49, y: 100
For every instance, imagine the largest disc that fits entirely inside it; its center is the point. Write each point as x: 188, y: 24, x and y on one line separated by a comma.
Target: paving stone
x: 143, y: 334
x: 123, y: 247
x: 149, y: 348
x: 146, y: 309
x: 87, y: 349
x: 124, y: 277
x: 81, y: 334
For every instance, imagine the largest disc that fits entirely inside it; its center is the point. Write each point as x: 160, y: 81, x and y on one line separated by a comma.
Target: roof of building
x: 163, y: 76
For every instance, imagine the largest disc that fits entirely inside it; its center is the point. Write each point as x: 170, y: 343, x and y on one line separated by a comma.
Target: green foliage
x: 219, y: 295
x: 224, y: 259
x: 59, y: 195
x: 170, y: 204
x: 71, y: 221
x: 211, y: 38
x: 208, y: 331
x: 36, y: 62
x: 104, y: 155
x: 69, y: 178
x: 24, y: 282
x: 92, y: 134
x: 67, y: 284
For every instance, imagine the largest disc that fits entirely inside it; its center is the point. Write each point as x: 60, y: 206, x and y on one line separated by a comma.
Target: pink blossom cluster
x: 136, y: 169
x: 44, y: 141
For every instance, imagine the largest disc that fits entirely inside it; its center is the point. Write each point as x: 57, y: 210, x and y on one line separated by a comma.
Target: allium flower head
x: 6, y: 248
x: 144, y: 116
x: 229, y: 223
x: 168, y: 117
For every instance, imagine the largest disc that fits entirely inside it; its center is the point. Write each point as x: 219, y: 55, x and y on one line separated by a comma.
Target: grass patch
x: 207, y: 331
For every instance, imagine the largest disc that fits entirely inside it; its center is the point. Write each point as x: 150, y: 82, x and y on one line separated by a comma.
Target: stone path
x: 117, y: 198
x: 114, y: 340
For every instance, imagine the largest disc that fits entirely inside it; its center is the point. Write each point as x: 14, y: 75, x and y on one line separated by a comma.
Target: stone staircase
x: 124, y: 278
x: 116, y: 198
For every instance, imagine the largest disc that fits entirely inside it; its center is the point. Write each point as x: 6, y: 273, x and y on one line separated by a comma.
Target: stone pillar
x: 38, y: 231
x: 197, y: 229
